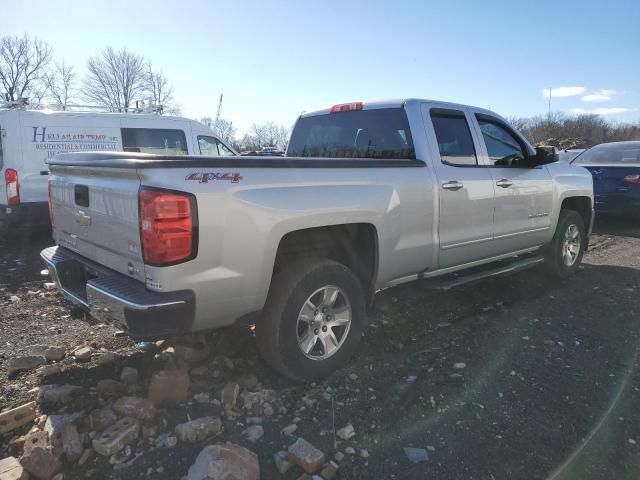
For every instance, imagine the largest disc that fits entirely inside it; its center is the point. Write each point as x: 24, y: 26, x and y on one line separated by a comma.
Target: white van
x: 29, y: 137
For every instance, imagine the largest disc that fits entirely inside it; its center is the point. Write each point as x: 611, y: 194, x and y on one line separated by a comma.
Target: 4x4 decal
x: 206, y: 177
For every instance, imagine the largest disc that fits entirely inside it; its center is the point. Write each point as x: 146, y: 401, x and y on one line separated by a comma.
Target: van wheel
x: 313, y: 319
x: 564, y: 253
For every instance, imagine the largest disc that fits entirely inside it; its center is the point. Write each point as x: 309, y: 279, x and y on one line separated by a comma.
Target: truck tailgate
x: 95, y: 213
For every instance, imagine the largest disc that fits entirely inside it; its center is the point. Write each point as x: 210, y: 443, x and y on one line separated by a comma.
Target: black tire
x: 554, y: 258
x: 277, y: 329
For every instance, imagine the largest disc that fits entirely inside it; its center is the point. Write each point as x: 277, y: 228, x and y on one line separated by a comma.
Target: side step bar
x: 447, y: 282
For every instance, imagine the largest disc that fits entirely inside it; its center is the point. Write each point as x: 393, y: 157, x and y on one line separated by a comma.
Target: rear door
x: 523, y: 195
x: 466, y: 191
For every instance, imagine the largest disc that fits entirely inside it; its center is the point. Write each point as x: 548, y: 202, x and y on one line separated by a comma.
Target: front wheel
x: 565, y: 251
x: 313, y: 319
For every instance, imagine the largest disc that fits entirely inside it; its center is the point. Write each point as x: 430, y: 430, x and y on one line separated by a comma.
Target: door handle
x: 452, y: 185
x: 504, y: 183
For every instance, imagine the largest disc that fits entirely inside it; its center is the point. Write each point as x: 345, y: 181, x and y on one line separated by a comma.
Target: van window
x: 213, y: 147
x: 154, y: 140
x: 375, y: 133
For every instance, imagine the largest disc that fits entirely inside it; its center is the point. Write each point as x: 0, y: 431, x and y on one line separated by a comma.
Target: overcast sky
x: 274, y: 59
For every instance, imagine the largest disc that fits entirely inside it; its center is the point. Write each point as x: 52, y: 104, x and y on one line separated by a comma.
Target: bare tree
x: 22, y: 63
x: 60, y: 83
x: 268, y: 134
x: 223, y: 129
x: 580, y: 131
x: 115, y: 79
x: 157, y: 86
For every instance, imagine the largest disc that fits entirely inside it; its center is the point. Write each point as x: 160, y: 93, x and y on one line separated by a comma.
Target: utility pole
x: 548, y: 114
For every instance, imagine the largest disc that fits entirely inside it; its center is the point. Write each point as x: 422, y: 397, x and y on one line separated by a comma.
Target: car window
x: 213, y: 147
x: 610, y: 153
x: 376, y: 133
x: 152, y: 140
x: 454, y: 139
x: 503, y: 147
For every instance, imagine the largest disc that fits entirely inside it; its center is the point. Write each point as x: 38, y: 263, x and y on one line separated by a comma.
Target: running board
x: 447, y: 282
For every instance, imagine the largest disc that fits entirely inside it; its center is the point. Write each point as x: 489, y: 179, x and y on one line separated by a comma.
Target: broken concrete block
x: 129, y: 376
x: 41, y: 463
x: 10, y: 469
x: 57, y: 393
x: 16, y: 417
x: 198, y: 429
x: 83, y: 354
x: 225, y: 462
x: 229, y: 394
x: 29, y: 362
x: 136, y: 407
x: 306, y: 455
x: 72, y: 444
x: 117, y: 436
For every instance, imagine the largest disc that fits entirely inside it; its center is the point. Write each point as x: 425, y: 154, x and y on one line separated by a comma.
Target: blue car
x: 616, y: 176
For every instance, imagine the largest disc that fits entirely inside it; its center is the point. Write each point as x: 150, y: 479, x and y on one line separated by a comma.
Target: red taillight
x: 13, y: 187
x: 167, y: 226
x: 346, y: 107
x: 635, y: 179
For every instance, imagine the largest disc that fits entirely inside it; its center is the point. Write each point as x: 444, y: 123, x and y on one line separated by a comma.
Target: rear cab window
x: 160, y: 141
x: 374, y: 133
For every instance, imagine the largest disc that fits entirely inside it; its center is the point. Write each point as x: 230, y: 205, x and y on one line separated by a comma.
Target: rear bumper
x: 112, y: 297
x: 25, y: 215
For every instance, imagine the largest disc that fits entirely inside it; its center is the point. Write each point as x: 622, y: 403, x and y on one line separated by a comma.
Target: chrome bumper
x: 112, y: 297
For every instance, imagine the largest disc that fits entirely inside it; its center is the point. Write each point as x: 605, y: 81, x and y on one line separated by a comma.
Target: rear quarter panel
x: 242, y: 223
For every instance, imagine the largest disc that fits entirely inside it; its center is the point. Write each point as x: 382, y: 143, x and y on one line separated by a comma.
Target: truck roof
x: 395, y: 103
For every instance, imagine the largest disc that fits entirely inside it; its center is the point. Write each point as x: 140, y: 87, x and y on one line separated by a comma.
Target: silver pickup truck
x: 369, y: 195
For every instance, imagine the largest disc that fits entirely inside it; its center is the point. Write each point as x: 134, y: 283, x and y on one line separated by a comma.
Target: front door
x: 523, y: 195
x: 466, y: 192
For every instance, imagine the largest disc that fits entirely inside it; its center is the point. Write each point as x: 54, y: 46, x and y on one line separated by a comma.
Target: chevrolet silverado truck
x: 368, y: 196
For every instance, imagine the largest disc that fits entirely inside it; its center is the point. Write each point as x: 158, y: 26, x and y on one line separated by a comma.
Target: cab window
x: 503, y: 147
x: 154, y: 140
x: 212, y: 147
x: 454, y: 138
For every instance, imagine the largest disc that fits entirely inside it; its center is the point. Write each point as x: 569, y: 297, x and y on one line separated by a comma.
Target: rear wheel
x: 564, y: 253
x: 313, y: 319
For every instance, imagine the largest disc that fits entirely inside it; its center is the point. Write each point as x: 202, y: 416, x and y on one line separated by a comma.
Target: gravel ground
x: 514, y: 377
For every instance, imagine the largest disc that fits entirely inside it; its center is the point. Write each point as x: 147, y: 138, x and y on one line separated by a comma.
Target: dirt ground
x: 515, y: 377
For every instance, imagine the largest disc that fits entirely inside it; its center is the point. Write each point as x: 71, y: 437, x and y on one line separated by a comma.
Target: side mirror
x: 545, y: 155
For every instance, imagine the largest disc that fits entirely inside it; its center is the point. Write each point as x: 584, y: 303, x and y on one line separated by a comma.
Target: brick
x: 10, y: 469
x: 198, y: 429
x: 306, y: 455
x: 117, y: 436
x: 329, y: 471
x: 16, y: 417
x: 169, y: 387
x: 110, y: 388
